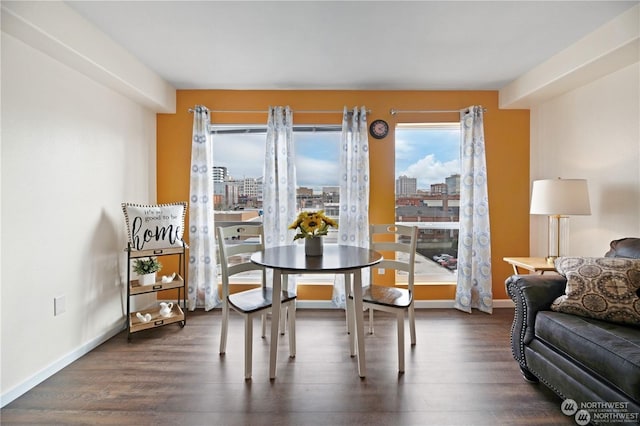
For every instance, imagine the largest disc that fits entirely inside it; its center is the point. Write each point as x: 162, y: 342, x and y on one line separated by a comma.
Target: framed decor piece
x: 154, y: 226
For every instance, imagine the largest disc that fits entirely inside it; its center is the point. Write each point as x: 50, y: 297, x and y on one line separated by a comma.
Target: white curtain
x: 353, y: 222
x: 474, y: 243
x: 203, y: 277
x: 279, y: 193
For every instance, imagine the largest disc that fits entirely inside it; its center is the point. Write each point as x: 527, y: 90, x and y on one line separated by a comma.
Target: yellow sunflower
x: 312, y: 224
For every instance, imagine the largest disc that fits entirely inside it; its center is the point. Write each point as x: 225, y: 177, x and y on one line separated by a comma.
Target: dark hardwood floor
x: 461, y: 372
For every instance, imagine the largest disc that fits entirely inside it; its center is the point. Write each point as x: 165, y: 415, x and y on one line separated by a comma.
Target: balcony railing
x: 436, y: 257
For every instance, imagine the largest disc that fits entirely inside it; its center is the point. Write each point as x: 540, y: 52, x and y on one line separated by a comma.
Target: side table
x: 533, y: 264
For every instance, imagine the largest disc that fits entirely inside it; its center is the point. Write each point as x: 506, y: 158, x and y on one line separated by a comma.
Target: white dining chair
x: 235, y: 245
x: 397, y: 244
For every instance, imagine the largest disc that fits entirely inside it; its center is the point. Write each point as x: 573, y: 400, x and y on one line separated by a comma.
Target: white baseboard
x: 315, y: 304
x: 58, y: 365
x: 504, y: 303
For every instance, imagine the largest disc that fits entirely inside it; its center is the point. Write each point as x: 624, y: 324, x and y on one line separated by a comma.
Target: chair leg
x: 291, y: 311
x: 283, y: 319
x: 351, y: 324
x: 370, y: 320
x: 225, y: 327
x: 283, y: 311
x: 264, y: 324
x: 347, y: 292
x: 350, y: 313
x: 346, y: 315
x: 248, y: 347
x: 401, y: 341
x: 412, y: 324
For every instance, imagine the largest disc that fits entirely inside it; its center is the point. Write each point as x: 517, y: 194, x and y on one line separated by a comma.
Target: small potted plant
x: 146, y: 270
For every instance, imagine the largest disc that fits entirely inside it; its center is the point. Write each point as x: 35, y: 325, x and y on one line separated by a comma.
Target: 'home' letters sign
x: 154, y: 226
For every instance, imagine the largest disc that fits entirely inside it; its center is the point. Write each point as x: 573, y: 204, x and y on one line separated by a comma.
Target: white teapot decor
x: 165, y: 309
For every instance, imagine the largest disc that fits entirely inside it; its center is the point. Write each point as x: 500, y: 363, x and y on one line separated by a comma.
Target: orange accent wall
x: 506, y: 137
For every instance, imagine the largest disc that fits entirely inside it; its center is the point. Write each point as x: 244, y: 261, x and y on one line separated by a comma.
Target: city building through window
x: 238, y: 157
x: 428, y: 195
x: 427, y: 186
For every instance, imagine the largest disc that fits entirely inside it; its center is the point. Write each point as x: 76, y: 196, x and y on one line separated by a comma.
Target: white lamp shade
x: 560, y: 197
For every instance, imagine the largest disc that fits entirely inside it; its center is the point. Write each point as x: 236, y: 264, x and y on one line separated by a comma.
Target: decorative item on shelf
x: 143, y: 318
x: 155, y: 226
x: 558, y: 199
x: 312, y: 226
x: 165, y: 309
x: 168, y: 278
x: 146, y: 270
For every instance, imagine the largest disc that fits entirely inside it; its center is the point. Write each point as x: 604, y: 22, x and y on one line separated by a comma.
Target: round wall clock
x: 379, y: 129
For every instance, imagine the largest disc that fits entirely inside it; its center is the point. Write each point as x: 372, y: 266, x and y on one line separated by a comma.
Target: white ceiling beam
x: 611, y: 47
x: 60, y: 32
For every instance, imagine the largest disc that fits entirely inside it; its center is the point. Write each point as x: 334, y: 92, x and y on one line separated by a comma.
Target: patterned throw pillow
x: 154, y: 226
x: 604, y: 288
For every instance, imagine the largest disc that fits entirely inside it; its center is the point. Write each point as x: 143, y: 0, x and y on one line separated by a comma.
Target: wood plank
x: 460, y: 372
x: 156, y: 319
x: 136, y: 288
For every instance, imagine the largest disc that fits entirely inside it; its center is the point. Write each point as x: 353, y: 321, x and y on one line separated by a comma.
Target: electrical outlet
x: 380, y: 271
x: 59, y: 305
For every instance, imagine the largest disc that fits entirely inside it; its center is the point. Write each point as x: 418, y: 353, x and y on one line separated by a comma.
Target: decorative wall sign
x: 154, y: 226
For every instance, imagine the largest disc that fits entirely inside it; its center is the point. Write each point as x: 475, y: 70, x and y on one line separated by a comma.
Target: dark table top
x: 336, y: 258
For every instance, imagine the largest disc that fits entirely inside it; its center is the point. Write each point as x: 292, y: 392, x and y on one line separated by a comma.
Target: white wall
x: 592, y: 132
x: 72, y: 151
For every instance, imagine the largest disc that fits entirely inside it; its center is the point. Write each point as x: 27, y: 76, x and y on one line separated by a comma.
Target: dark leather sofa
x: 592, y: 362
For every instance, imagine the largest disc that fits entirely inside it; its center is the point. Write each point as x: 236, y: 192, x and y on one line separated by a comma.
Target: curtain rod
x: 227, y: 129
x: 394, y: 111
x: 191, y: 110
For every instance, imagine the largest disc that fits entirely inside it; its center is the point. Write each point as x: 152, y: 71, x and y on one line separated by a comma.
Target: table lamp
x: 558, y: 199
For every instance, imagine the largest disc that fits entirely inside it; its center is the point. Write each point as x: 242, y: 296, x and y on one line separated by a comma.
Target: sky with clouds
x: 429, y: 158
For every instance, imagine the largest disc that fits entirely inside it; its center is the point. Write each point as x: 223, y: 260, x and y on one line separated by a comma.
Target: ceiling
x: 359, y: 45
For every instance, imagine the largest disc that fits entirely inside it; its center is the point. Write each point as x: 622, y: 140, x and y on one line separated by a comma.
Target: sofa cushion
x: 605, y: 288
x: 612, y: 351
x: 624, y: 247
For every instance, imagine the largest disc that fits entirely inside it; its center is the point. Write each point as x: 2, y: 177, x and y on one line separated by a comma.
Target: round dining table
x: 336, y: 259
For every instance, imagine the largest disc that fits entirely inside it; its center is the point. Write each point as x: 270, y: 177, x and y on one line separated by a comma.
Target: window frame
x: 253, y: 277
x: 442, y: 275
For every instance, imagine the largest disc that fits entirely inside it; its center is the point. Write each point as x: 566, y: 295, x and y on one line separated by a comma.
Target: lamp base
x: 551, y: 259
x: 558, y: 239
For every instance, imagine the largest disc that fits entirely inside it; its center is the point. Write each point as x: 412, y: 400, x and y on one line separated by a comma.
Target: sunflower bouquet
x: 312, y: 224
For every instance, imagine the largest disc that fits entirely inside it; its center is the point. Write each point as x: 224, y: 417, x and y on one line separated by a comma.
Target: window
x: 428, y: 195
x: 238, y: 155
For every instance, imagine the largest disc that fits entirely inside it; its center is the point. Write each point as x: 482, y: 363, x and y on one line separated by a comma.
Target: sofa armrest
x: 530, y: 293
